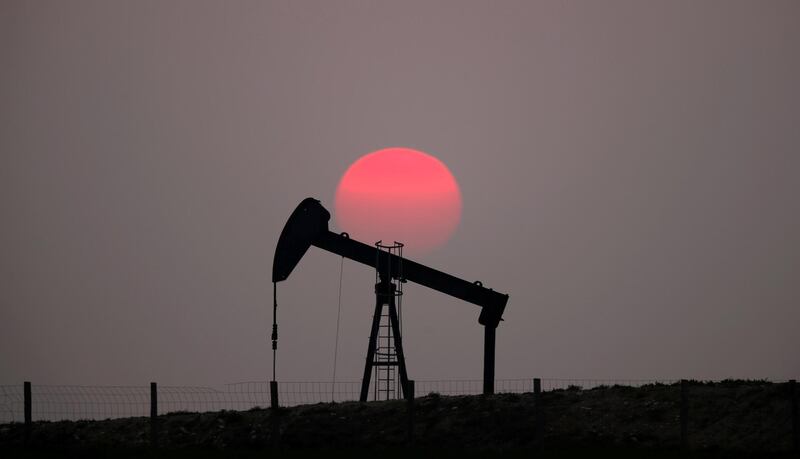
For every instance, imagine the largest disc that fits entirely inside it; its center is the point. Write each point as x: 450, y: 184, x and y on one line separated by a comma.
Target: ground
x: 727, y: 419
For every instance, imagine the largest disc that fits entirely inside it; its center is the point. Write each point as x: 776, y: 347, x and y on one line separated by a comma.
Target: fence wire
x: 64, y: 402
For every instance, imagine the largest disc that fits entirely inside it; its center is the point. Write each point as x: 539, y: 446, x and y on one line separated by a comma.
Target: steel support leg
x: 398, y: 347
x: 488, y: 359
x: 373, y: 338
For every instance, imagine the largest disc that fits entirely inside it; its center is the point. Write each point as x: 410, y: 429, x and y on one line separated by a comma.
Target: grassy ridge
x: 731, y: 418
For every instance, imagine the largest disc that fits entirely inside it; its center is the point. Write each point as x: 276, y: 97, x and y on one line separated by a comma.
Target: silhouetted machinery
x: 308, y: 225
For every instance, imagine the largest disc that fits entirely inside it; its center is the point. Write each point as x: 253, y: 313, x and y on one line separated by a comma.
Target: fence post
x: 273, y: 394
x: 28, y: 411
x: 538, y: 414
x: 795, y: 416
x: 153, y: 415
x: 684, y: 413
x: 274, y: 414
x: 410, y: 398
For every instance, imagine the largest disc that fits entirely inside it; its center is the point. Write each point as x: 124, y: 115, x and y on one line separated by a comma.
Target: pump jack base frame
x: 385, y: 296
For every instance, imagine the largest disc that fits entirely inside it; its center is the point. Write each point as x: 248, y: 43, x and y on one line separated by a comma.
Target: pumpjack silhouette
x: 308, y: 225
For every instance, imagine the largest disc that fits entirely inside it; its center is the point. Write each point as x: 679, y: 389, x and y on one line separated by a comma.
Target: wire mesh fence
x: 58, y: 402
x: 66, y: 402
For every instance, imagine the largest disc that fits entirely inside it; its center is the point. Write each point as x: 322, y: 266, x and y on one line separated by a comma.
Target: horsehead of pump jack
x: 308, y: 225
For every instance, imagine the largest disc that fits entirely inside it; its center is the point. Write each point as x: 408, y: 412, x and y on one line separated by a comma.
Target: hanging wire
x: 274, y: 326
x: 400, y: 281
x: 336, y: 345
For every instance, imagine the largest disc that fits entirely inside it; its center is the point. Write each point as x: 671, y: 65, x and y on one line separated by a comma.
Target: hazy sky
x: 629, y: 172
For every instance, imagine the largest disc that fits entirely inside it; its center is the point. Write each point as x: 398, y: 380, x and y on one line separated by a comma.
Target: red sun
x: 399, y: 194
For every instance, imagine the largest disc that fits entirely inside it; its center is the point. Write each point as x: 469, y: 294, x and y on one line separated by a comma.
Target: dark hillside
x: 736, y: 417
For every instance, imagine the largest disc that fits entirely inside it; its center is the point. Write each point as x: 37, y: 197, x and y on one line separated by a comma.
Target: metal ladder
x: 386, y: 377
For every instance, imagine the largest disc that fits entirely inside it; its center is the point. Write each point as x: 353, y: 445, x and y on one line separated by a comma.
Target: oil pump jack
x: 308, y: 225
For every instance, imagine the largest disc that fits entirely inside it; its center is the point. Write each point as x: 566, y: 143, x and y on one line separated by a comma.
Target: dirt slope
x: 728, y: 417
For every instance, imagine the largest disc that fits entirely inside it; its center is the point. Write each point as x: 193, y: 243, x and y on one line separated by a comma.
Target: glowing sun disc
x: 399, y: 194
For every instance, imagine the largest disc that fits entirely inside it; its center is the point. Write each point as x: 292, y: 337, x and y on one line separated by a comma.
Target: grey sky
x: 629, y: 173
